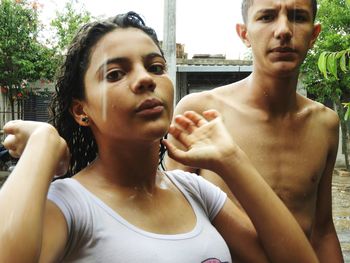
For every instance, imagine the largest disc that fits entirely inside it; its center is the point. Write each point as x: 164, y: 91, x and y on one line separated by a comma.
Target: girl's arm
x: 23, y: 205
x: 209, y: 146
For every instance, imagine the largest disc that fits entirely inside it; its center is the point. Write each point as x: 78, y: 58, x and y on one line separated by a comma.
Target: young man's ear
x: 241, y: 30
x: 315, y: 33
x: 78, y: 113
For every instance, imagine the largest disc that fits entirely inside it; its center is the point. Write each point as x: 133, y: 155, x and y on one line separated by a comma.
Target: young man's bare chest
x: 290, y: 153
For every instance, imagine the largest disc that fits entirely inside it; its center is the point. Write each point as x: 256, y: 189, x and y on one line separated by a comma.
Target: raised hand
x: 19, y: 132
x: 205, y: 138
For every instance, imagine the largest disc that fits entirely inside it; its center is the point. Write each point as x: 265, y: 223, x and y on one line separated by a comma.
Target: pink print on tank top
x: 213, y: 260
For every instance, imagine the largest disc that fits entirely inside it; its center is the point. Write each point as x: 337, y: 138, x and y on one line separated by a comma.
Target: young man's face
x: 280, y: 33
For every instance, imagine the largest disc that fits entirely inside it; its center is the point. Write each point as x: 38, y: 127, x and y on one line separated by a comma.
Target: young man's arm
x: 324, y: 237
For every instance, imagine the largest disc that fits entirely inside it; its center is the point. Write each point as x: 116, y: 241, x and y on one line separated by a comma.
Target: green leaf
x: 332, y: 64
x: 342, y: 62
x: 322, y: 64
x: 347, y: 114
x: 340, y: 54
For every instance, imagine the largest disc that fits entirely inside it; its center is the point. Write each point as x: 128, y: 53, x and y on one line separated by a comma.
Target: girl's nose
x: 143, y: 81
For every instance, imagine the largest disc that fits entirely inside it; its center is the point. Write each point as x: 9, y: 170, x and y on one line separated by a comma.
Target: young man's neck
x: 271, y: 94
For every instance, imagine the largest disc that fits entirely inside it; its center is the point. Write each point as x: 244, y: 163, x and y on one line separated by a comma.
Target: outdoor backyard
x: 341, y: 211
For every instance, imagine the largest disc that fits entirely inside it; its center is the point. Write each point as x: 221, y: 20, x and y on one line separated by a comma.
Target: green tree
x: 67, y: 22
x: 334, y: 16
x: 22, y: 57
x: 328, y: 62
x: 65, y: 25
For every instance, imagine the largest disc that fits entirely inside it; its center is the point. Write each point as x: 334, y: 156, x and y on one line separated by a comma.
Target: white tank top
x: 98, y: 234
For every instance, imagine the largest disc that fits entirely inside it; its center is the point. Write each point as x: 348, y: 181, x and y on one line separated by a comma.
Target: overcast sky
x: 204, y: 26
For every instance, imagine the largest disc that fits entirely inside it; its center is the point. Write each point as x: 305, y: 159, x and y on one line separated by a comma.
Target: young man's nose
x: 284, y: 29
x: 143, y: 81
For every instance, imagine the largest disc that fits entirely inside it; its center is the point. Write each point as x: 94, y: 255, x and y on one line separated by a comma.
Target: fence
x: 5, y: 110
x: 34, y: 108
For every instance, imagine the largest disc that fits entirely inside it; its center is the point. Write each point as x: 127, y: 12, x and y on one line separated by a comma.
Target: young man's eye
x: 299, y: 18
x: 266, y: 18
x: 158, y: 69
x: 114, y: 75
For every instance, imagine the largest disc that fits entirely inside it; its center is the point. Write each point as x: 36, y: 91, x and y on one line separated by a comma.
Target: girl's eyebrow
x: 153, y: 55
x: 117, y: 60
x: 124, y: 60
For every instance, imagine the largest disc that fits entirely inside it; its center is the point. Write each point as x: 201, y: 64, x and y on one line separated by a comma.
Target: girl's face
x: 129, y: 95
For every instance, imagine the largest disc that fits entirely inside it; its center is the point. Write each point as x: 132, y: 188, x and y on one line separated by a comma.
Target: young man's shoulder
x: 209, y: 99
x: 321, y: 114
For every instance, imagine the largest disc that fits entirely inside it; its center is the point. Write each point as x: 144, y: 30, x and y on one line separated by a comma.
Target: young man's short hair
x: 248, y: 3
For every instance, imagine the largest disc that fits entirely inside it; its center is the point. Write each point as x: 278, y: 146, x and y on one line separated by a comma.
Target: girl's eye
x: 158, y: 69
x: 114, y: 75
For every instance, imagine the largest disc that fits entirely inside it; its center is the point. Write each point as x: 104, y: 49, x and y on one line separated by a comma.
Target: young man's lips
x: 283, y: 50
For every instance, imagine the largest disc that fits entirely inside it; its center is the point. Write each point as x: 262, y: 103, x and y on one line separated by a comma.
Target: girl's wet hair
x: 70, y: 86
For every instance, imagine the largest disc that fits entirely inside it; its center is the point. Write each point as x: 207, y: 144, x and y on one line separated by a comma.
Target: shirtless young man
x: 290, y: 139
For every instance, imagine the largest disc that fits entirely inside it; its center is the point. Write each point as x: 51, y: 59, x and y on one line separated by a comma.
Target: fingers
x: 180, y: 135
x: 198, y: 119
x: 211, y: 114
x: 189, y: 121
x: 15, y: 138
x: 10, y: 143
x: 185, y: 123
x: 195, y: 118
x: 11, y: 127
x: 173, y: 152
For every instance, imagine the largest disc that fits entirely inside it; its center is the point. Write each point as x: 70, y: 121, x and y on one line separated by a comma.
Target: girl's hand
x: 18, y: 133
x: 205, y: 138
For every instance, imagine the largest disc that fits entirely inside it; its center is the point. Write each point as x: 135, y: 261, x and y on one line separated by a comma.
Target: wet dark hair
x: 248, y: 3
x: 70, y: 86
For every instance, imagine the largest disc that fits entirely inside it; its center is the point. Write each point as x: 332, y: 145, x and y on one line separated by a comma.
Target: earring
x: 85, y: 119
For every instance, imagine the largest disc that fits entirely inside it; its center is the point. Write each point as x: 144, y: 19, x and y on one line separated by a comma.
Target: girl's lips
x: 150, y: 107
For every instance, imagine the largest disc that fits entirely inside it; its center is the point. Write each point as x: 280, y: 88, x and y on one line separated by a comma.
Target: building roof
x: 213, y: 64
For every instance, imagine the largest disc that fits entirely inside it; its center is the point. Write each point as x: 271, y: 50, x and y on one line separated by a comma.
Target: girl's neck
x: 133, y: 166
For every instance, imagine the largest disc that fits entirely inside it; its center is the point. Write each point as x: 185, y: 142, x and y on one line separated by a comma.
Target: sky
x: 203, y: 26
